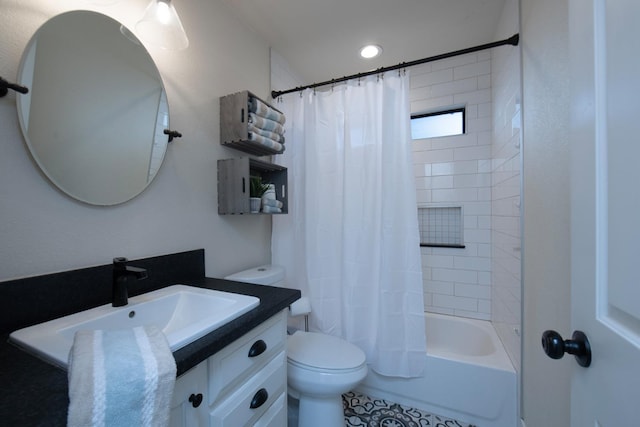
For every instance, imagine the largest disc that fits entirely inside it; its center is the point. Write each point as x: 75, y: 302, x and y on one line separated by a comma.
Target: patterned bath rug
x: 364, y: 411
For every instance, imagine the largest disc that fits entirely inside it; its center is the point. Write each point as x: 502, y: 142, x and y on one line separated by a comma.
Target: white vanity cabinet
x: 244, y: 384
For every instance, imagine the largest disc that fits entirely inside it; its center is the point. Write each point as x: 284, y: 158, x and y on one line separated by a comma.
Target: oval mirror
x: 96, y: 109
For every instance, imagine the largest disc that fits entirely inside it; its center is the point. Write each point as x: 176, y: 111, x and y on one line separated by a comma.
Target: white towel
x: 120, y: 378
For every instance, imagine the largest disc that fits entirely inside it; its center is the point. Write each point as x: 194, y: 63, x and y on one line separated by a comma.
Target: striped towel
x: 120, y: 378
x: 266, y: 124
x: 271, y: 135
x: 267, y: 142
x: 272, y: 203
x: 261, y: 109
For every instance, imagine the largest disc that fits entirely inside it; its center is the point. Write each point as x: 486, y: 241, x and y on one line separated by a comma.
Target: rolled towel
x: 266, y: 124
x: 268, y: 134
x: 267, y: 142
x: 272, y: 203
x: 271, y: 209
x: 120, y: 378
x: 261, y: 109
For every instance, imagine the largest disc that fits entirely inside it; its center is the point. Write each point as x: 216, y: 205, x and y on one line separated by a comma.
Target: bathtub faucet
x: 122, y: 273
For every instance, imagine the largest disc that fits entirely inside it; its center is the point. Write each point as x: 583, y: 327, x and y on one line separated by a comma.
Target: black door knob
x: 555, y: 347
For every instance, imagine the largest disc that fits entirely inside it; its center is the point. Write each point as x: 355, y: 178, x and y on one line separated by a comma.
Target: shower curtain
x: 350, y: 241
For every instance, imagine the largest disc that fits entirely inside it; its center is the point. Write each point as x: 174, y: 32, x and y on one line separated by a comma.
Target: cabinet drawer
x: 233, y: 364
x: 260, y: 391
x: 276, y: 415
x: 191, y: 382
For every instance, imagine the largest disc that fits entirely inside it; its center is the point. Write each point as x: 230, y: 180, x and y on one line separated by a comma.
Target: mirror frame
x: 93, y: 152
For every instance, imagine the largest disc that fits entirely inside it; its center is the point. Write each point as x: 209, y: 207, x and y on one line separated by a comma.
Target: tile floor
x: 364, y: 411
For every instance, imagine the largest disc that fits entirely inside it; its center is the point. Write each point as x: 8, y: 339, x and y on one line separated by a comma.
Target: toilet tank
x: 272, y: 275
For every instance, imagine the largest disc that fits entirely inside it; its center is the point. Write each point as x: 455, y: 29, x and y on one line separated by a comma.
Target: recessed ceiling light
x: 370, y: 51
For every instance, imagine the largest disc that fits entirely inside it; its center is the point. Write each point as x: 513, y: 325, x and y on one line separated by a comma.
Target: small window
x: 441, y: 123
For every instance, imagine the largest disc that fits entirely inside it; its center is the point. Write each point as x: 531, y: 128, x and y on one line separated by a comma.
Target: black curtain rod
x: 513, y: 40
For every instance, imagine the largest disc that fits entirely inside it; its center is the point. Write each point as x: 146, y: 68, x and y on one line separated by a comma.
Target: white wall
x: 506, y: 286
x: 546, y: 250
x: 42, y: 230
x: 456, y: 171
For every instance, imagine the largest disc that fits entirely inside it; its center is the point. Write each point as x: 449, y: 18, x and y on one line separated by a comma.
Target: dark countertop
x: 34, y: 393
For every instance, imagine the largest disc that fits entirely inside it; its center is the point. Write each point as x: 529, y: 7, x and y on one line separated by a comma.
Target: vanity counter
x: 35, y: 393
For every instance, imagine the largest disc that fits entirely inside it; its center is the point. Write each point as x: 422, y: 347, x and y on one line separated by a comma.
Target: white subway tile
x: 484, y: 194
x: 484, y: 306
x: 484, y: 250
x: 484, y: 82
x: 480, y: 124
x: 439, y: 182
x: 472, y: 263
x: 450, y: 275
x: 455, y: 195
x: 455, y: 87
x: 472, y: 291
x: 469, y: 70
x: 442, y: 261
x: 478, y: 97
x: 477, y: 208
x: 455, y: 141
x: 477, y: 236
x: 484, y: 278
x: 426, y: 105
x: 430, y: 79
x: 472, y: 153
x: 474, y: 180
x: 452, y: 168
x: 435, y: 287
x: 455, y: 61
x: 456, y: 303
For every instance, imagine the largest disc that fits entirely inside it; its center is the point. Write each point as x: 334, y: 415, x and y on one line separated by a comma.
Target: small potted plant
x: 256, y: 190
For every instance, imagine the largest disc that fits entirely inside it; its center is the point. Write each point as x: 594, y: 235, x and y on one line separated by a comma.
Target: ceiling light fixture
x: 370, y: 51
x: 160, y: 26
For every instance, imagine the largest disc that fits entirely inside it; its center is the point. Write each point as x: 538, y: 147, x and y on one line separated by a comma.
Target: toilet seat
x: 326, y: 353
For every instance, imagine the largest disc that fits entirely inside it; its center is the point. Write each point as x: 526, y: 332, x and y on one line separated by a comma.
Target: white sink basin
x: 183, y: 313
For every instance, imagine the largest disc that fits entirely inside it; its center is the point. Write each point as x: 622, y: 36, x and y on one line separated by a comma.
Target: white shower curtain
x: 350, y: 241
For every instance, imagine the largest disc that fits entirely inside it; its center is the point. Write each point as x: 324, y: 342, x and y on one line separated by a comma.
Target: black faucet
x: 121, y: 275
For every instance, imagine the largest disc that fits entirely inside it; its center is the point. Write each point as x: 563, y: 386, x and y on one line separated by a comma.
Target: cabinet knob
x: 195, y: 399
x: 259, y: 398
x: 257, y: 348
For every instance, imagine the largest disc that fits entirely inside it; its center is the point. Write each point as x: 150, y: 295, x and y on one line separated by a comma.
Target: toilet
x: 320, y: 367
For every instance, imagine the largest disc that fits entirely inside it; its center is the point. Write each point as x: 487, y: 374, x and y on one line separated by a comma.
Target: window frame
x: 440, y: 113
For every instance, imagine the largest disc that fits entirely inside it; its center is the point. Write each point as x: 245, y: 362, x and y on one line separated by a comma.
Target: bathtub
x: 468, y: 375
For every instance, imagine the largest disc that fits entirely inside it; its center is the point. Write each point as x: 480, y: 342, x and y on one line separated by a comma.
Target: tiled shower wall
x: 505, y: 203
x: 456, y: 171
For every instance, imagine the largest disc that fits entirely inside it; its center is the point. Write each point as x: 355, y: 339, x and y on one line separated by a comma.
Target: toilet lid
x: 323, y: 351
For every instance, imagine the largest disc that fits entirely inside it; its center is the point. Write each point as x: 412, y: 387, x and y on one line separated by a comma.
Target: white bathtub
x: 468, y: 375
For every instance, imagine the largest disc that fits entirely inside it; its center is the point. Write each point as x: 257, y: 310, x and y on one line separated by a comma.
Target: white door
x: 605, y: 219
